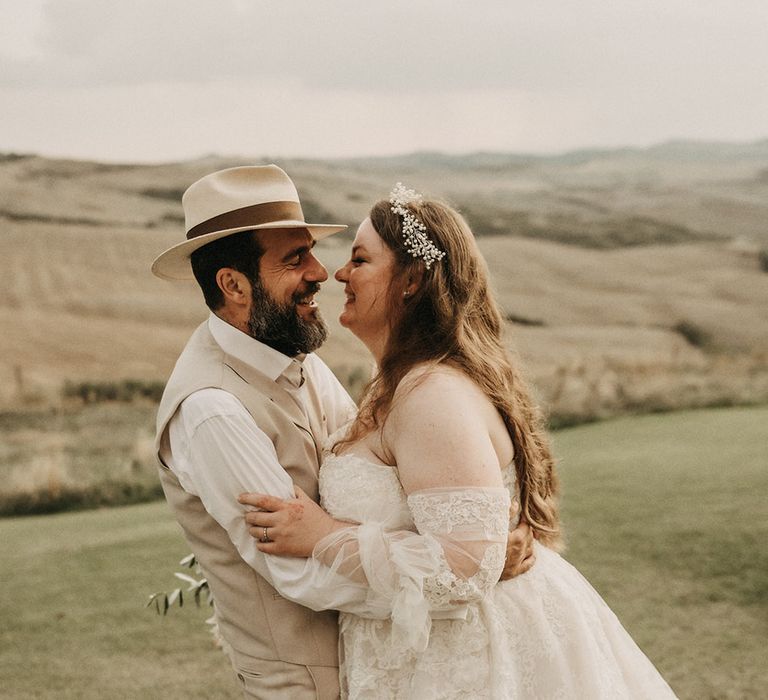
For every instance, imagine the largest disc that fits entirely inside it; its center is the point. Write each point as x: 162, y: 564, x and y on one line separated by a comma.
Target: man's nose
x: 316, y: 271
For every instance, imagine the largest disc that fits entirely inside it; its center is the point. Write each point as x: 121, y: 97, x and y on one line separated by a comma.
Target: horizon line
x: 10, y: 153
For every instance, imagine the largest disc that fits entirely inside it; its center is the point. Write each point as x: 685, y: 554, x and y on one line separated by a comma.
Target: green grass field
x: 665, y: 514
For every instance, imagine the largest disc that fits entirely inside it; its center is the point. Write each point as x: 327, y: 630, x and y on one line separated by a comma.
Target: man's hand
x: 520, y: 555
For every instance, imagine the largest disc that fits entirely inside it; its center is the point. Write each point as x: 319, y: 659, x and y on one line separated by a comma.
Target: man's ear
x: 234, y: 286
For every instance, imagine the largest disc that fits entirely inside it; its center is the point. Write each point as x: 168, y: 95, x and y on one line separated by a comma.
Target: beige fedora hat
x: 233, y: 200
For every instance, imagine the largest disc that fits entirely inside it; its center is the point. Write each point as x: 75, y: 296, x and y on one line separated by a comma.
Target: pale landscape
x: 634, y: 281
x: 631, y: 278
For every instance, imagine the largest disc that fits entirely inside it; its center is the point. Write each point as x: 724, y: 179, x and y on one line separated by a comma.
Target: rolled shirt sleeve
x: 218, y: 452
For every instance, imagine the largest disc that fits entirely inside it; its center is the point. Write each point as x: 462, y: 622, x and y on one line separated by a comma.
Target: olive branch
x: 163, y: 600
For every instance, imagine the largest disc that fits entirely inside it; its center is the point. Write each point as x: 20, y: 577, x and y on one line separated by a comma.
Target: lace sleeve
x: 455, y: 558
x: 471, y: 527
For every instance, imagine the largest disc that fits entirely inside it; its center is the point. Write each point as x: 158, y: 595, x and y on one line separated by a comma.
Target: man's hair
x: 240, y: 251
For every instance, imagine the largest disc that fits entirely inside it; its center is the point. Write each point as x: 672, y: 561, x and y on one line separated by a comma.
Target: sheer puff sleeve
x: 455, y: 557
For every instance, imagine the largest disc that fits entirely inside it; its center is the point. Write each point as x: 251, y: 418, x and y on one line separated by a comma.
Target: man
x: 247, y: 408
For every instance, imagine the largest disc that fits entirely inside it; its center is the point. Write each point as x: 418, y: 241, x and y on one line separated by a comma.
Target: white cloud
x: 180, y: 78
x: 426, y: 45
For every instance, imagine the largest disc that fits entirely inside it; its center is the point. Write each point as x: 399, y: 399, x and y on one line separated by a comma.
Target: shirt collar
x: 253, y: 352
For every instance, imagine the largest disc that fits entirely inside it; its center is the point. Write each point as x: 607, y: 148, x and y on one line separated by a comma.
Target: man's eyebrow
x: 300, y: 250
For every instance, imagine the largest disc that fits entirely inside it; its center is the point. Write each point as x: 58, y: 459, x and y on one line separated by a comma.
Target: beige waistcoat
x: 253, y: 618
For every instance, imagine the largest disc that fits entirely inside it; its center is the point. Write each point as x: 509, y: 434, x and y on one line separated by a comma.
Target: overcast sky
x: 151, y: 80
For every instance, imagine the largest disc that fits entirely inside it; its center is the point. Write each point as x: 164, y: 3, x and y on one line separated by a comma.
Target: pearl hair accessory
x: 417, y: 243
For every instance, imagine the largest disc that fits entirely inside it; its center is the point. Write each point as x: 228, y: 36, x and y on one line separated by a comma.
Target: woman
x: 418, y: 489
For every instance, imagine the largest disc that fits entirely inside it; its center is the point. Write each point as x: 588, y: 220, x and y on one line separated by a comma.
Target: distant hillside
x: 670, y: 193
x: 631, y: 278
x: 670, y: 150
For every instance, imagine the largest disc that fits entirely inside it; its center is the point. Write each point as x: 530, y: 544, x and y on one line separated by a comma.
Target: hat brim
x: 173, y: 264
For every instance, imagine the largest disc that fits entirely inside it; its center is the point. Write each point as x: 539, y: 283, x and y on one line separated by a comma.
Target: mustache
x: 311, y: 288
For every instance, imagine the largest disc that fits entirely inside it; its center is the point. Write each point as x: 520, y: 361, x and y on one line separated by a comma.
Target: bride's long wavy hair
x: 452, y: 318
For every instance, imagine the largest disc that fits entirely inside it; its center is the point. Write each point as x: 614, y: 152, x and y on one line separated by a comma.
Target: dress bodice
x: 354, y: 488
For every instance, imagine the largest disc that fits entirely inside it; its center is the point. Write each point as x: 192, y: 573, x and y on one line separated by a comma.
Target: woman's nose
x: 341, y: 274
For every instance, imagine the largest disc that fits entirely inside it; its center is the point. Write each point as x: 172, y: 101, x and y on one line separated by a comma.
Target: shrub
x: 124, y: 391
x: 523, y: 320
x: 561, y: 421
x: 693, y: 333
x: 172, y: 194
x: 66, y: 498
x: 762, y: 258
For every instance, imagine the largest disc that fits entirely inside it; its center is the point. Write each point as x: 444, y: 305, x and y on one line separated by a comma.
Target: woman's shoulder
x: 437, y: 375
x: 436, y: 385
x: 438, y: 430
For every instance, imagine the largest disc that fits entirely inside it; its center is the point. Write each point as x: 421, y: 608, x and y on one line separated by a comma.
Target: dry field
x: 632, y: 278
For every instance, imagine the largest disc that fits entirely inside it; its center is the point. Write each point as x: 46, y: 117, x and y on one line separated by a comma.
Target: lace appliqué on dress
x: 463, y: 515
x: 445, y: 510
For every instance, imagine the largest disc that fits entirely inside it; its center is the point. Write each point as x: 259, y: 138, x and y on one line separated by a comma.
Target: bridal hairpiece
x: 417, y: 243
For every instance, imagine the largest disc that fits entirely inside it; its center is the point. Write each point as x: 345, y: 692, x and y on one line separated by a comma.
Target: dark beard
x: 280, y: 326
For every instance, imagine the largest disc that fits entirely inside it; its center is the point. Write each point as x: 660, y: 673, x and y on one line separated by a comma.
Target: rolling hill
x: 632, y: 278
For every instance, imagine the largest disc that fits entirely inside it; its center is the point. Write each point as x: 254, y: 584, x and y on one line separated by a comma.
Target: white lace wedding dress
x: 440, y: 625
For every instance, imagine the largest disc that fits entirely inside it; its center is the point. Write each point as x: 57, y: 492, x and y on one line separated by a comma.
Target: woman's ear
x: 234, y: 286
x: 414, y: 281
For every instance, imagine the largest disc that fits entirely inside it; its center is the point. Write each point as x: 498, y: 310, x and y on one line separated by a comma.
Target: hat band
x: 254, y: 215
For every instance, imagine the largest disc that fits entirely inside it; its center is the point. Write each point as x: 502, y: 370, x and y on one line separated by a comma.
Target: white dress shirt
x: 217, y: 451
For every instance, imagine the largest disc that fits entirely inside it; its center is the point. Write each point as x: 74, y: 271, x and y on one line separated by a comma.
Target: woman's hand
x: 287, y: 527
